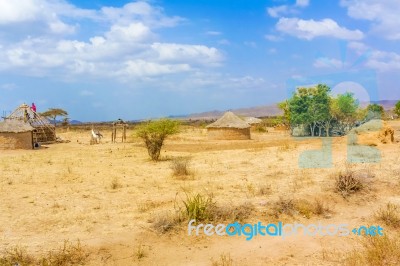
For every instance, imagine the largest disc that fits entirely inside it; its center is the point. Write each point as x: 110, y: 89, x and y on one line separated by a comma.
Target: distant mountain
x: 75, y: 122
x: 272, y: 110
x: 258, y: 111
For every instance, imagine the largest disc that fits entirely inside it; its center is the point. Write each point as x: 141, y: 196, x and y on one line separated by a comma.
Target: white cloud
x: 129, y: 47
x: 277, y: 11
x: 8, y: 86
x: 384, y: 15
x: 324, y: 62
x: 213, y: 33
x: 310, y: 29
x: 273, y: 38
x: 302, y: 3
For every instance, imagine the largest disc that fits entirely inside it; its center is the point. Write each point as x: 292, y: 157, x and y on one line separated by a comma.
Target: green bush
x: 154, y: 133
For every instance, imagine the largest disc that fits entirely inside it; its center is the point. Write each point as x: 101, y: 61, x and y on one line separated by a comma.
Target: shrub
x: 380, y: 250
x: 347, y: 182
x: 154, y: 133
x: 180, y: 166
x: 224, y: 260
x: 198, y: 207
x: 390, y: 215
x: 165, y: 222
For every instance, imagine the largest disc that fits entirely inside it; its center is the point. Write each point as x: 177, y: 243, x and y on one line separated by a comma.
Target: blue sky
x: 102, y: 60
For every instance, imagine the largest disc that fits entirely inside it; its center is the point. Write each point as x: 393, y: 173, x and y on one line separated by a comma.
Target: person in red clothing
x: 33, y: 107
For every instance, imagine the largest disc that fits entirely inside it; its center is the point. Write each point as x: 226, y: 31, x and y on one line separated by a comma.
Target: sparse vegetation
x: 68, y: 254
x: 376, y: 251
x: 115, y: 183
x: 181, y: 167
x: 154, y: 133
x: 140, y: 252
x: 224, y: 260
x: 198, y: 207
x: 165, y: 222
x: 390, y: 215
x: 347, y: 182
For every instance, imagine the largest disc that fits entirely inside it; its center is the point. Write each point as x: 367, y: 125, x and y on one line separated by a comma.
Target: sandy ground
x: 64, y: 192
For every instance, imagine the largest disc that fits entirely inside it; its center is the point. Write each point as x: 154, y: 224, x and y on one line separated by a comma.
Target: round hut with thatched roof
x: 229, y: 127
x: 16, y: 134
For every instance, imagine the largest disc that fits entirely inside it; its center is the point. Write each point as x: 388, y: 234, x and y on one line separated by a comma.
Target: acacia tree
x: 53, y: 113
x: 154, y: 133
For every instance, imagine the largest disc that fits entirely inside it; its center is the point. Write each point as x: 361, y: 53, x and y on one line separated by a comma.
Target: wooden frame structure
x: 117, y: 125
x: 44, y: 131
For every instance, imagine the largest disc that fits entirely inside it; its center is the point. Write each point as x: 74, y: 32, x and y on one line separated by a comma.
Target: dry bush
x: 140, y: 252
x: 69, y: 254
x: 376, y: 250
x: 16, y: 256
x: 390, y: 215
x: 231, y: 212
x: 284, y: 206
x: 224, y: 260
x: 347, y: 182
x: 165, y: 222
x: 305, y: 208
x: 115, y: 184
x: 181, y: 167
x: 321, y: 208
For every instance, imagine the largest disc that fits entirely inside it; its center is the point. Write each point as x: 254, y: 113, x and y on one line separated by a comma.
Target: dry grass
x: 68, y: 254
x: 224, y: 260
x: 140, y: 252
x: 347, y: 183
x: 376, y: 251
x: 292, y: 207
x: 181, y: 168
x: 165, y: 222
x: 115, y: 183
x: 390, y: 215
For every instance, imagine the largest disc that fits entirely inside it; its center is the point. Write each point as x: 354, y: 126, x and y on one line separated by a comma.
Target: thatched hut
x: 15, y: 134
x: 229, y: 127
x: 252, y: 121
x: 44, y: 131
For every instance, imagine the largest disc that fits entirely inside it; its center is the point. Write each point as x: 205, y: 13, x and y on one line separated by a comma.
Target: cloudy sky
x: 101, y: 60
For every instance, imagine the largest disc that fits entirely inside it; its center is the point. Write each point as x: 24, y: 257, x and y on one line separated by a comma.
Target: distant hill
x: 271, y: 110
x: 258, y: 111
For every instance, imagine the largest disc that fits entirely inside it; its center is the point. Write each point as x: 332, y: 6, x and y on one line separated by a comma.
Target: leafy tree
x: 375, y: 111
x: 53, y: 113
x: 310, y: 107
x: 344, y: 109
x: 397, y: 108
x: 154, y: 133
x: 284, y: 106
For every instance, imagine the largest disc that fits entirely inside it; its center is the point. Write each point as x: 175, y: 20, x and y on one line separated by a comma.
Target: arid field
x: 111, y: 205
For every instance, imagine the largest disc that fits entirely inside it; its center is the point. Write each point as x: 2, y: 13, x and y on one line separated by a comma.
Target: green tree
x: 344, y: 109
x: 310, y: 107
x: 397, y: 108
x: 375, y: 111
x: 53, y: 113
x: 154, y: 133
x: 284, y: 106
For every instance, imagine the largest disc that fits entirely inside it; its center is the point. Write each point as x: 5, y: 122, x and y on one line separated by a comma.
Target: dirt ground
x: 107, y: 196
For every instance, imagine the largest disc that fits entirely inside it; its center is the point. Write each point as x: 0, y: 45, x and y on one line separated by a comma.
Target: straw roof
x: 15, y: 126
x: 229, y: 120
x: 252, y: 120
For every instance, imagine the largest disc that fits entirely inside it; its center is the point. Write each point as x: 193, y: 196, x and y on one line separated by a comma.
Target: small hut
x: 44, y: 131
x: 16, y: 134
x: 252, y: 121
x: 229, y: 127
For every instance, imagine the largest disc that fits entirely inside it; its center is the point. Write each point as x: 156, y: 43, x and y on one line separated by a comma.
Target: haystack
x: 44, y: 131
x: 229, y: 127
x: 15, y: 134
